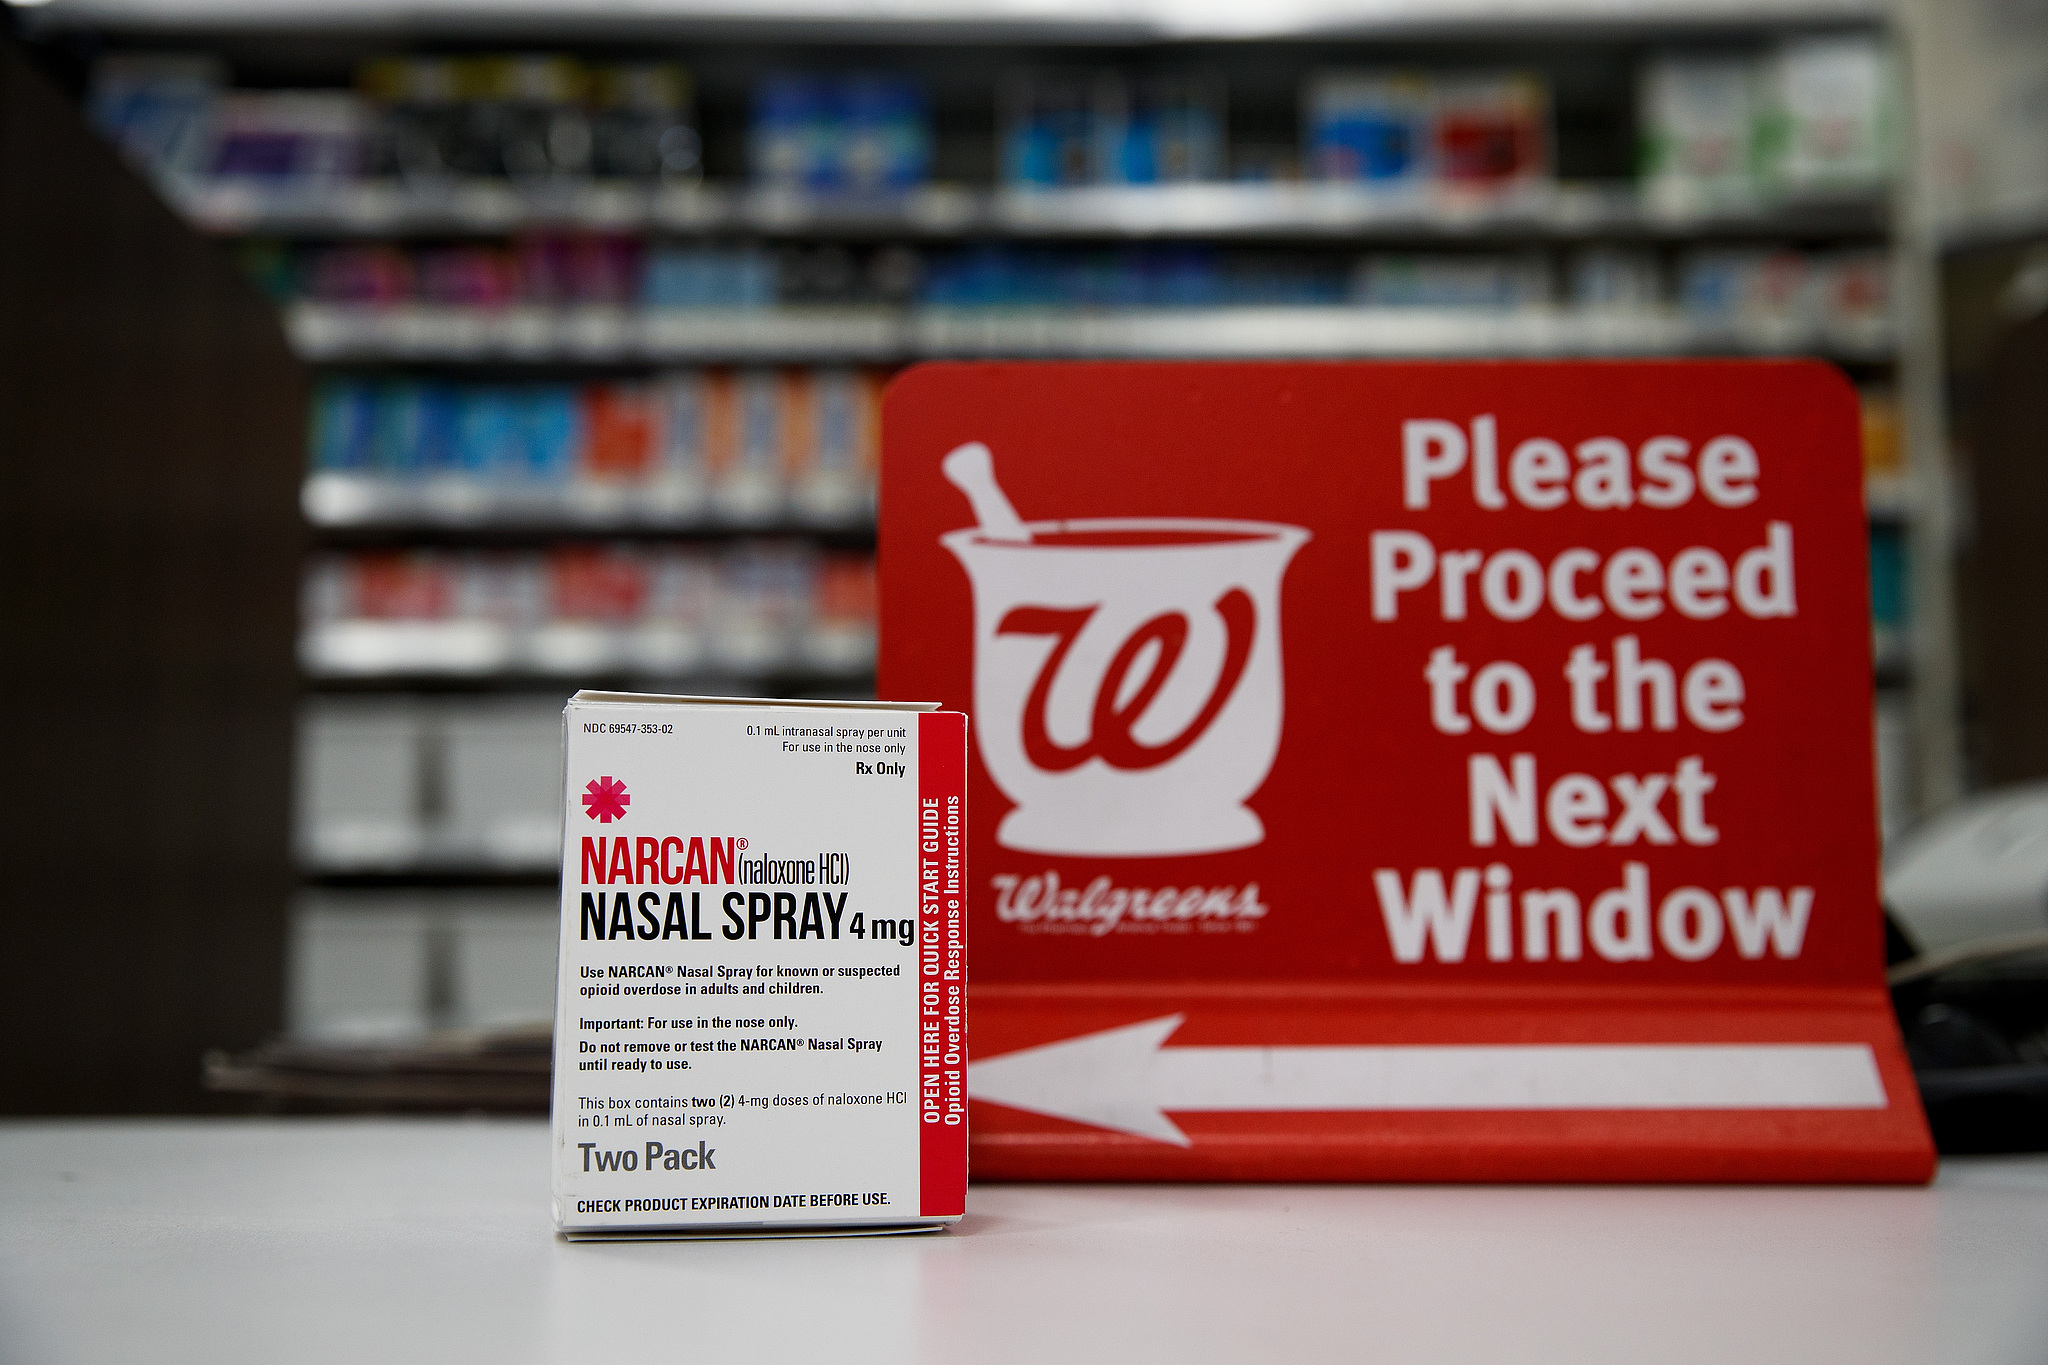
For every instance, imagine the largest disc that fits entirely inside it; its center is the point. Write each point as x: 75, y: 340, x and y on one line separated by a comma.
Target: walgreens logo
x: 1127, y: 674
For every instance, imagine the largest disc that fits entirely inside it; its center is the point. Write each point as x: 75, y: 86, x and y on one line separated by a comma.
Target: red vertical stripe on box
x: 942, y: 963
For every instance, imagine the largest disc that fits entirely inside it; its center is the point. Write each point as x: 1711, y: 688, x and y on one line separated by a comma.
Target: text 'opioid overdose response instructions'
x: 761, y: 1010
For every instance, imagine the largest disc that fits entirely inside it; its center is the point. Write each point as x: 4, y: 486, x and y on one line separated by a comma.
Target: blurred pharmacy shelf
x: 573, y: 652
x: 1338, y: 331
x: 590, y: 333
x: 564, y: 433
x: 538, y: 335
x: 751, y: 614
x: 374, y: 506
x: 373, y: 502
x: 370, y: 963
x: 422, y: 789
x: 487, y: 687
x: 1204, y: 211
x: 1556, y: 212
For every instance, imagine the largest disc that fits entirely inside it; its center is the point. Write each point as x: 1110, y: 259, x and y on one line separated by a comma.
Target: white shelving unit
x: 1222, y: 211
x: 566, y: 653
x: 370, y: 503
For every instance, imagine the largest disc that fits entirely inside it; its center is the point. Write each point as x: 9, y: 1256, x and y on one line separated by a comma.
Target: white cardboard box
x: 760, y: 1010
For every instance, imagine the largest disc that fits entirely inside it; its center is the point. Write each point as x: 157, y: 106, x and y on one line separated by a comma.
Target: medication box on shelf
x: 760, y: 1015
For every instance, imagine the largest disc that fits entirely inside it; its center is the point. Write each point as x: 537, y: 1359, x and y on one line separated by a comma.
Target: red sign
x: 1406, y: 771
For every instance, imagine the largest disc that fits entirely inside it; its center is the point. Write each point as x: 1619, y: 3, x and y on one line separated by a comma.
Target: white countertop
x: 380, y: 1240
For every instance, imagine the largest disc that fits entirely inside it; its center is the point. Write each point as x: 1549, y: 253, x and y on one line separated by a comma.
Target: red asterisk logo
x: 605, y: 800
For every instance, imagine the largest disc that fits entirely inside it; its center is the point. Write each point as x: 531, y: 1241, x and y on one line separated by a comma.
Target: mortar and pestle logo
x: 1127, y: 684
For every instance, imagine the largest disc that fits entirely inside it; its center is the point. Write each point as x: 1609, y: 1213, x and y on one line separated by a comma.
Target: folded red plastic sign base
x: 1226, y: 1085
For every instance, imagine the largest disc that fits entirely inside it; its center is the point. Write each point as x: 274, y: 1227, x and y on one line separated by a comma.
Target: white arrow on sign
x: 1128, y: 1080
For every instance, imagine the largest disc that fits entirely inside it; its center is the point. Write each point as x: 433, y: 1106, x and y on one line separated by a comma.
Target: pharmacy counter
x: 359, y: 1240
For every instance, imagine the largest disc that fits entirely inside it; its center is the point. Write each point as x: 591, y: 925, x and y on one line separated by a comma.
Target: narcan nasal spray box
x: 761, y: 1012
